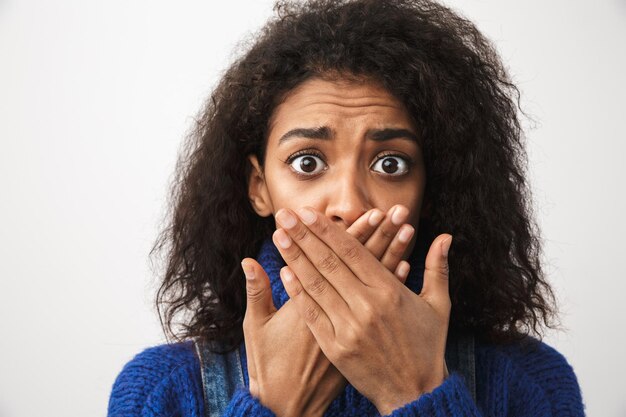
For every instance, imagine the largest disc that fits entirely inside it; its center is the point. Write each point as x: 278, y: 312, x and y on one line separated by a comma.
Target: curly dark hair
x: 465, y: 106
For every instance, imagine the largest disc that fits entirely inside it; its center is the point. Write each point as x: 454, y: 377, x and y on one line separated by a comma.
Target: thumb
x: 437, y: 274
x: 258, y: 291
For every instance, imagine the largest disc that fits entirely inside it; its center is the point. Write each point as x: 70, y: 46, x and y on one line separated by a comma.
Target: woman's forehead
x: 342, y: 90
x: 339, y: 104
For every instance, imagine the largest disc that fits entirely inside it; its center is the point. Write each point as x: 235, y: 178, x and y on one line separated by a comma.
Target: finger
x: 365, y: 225
x: 291, y: 244
x: 402, y: 271
x: 363, y: 228
x: 436, y: 274
x: 380, y: 239
x: 398, y: 246
x: 259, y: 306
x: 344, y: 260
x: 313, y: 315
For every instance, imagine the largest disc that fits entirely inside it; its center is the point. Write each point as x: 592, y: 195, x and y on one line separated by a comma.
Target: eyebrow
x: 325, y: 133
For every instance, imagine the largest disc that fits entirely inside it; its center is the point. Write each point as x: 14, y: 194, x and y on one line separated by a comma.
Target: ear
x: 257, y: 189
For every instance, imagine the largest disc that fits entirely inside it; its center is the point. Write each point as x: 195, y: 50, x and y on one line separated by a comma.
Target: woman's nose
x: 347, y: 200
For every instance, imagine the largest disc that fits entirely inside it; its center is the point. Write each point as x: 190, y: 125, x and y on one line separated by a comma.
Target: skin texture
x: 386, y: 340
x: 292, y: 363
x: 287, y: 370
x: 350, y: 185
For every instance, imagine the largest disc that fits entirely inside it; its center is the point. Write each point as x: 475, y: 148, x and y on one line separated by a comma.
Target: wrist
x: 387, y: 404
x: 387, y: 407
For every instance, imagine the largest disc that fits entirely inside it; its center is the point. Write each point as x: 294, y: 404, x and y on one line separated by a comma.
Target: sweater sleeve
x: 165, y: 381
x: 244, y: 404
x: 160, y: 381
x: 545, y: 381
x: 451, y: 398
x: 519, y: 380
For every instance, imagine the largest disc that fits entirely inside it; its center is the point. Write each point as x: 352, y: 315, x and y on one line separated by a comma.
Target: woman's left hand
x: 387, y: 341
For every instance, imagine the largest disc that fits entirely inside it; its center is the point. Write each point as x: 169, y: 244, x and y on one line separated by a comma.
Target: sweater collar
x: 270, y: 259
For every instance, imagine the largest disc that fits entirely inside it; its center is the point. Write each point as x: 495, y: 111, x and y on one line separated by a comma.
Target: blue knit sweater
x: 511, y: 380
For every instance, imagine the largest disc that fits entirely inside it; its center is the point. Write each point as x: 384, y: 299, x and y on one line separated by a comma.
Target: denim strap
x: 460, y: 358
x: 222, y: 373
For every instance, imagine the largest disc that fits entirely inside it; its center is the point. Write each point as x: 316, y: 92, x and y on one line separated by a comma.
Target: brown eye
x: 391, y: 165
x: 307, y: 164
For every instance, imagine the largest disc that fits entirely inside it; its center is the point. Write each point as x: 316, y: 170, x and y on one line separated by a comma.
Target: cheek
x: 405, y: 190
x: 289, y: 192
x: 414, y: 218
x: 411, y: 196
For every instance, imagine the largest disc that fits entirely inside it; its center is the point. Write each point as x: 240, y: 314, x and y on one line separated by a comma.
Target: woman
x: 363, y: 164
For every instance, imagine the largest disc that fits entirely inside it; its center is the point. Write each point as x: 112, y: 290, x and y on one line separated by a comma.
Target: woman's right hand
x: 287, y: 370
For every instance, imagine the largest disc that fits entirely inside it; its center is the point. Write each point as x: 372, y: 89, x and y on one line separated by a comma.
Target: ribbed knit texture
x: 513, y: 380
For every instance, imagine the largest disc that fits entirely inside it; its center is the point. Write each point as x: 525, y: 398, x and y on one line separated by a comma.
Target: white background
x: 95, y: 98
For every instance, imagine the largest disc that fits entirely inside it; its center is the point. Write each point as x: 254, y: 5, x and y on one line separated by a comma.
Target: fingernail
x: 287, y: 274
x: 399, y: 215
x: 307, y: 216
x: 403, y: 270
x: 445, y: 246
x: 375, y: 218
x: 286, y: 219
x: 282, y: 239
x: 248, y: 271
x: 406, y: 233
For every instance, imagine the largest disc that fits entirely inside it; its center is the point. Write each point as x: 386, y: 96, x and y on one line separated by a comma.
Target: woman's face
x: 343, y: 148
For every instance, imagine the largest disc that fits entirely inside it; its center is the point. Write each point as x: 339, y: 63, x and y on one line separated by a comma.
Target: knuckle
x: 444, y: 268
x: 390, y: 297
x: 343, y: 354
x: 351, y: 340
x: 251, y: 326
x: 329, y: 263
x: 300, y: 234
x: 317, y: 286
x: 387, y: 233
x: 254, y: 294
x: 369, y: 316
x: 334, y: 352
x: 311, y: 313
x: 294, y: 256
x: 247, y: 324
x: 350, y: 252
x: 297, y: 290
x: 395, y: 251
x: 323, y: 227
x: 443, y: 273
x: 358, y: 235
